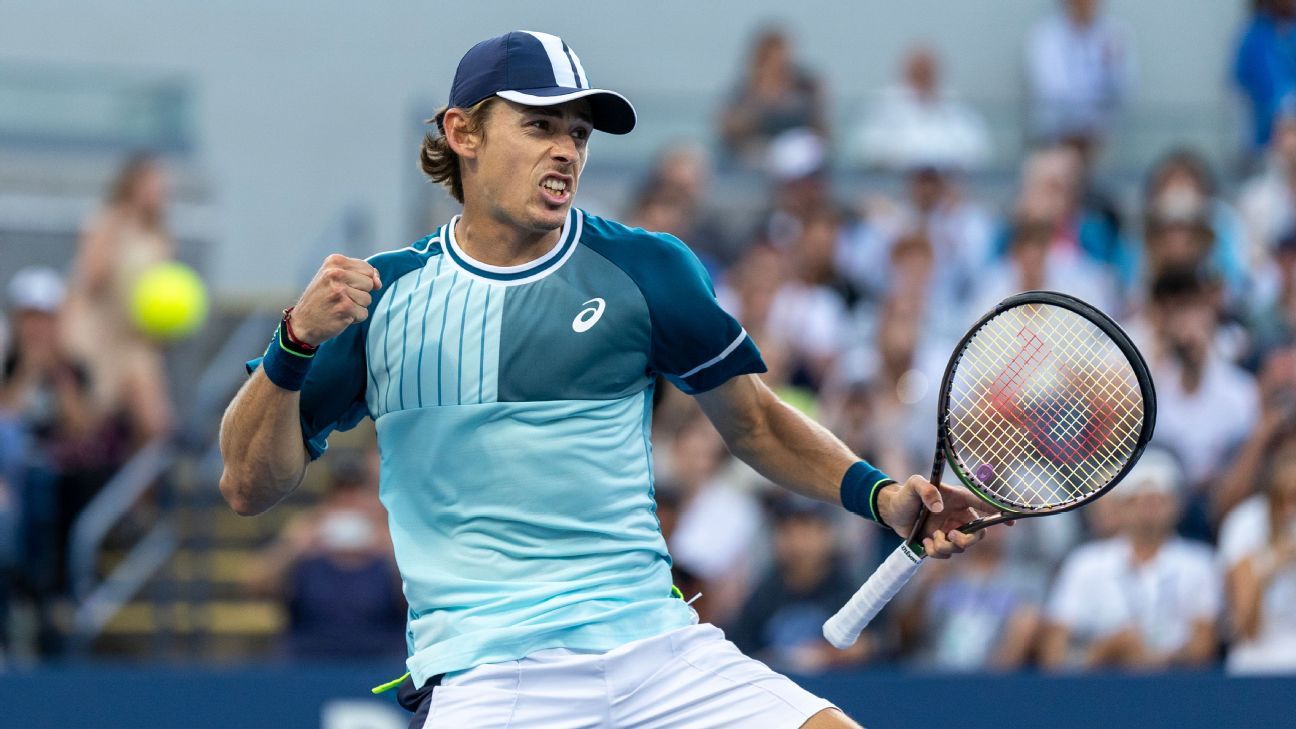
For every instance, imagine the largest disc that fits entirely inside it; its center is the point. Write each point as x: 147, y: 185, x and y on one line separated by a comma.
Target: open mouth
x: 557, y: 189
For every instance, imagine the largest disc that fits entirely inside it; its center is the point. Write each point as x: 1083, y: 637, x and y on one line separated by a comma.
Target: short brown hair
x: 439, y: 162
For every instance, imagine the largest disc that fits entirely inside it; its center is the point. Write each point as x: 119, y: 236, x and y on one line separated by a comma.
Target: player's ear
x: 460, y: 135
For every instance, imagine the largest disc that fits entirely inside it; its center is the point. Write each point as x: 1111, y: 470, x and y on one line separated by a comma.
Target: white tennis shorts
x: 691, y: 678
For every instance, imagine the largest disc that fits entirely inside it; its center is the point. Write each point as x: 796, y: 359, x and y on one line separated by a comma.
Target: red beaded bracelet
x: 292, y: 340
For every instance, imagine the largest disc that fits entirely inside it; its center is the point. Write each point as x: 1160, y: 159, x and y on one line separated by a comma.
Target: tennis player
x: 508, y: 361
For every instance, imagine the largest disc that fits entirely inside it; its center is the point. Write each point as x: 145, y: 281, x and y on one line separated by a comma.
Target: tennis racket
x: 1045, y: 406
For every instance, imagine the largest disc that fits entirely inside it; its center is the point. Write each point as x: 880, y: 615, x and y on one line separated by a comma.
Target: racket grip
x: 844, y: 628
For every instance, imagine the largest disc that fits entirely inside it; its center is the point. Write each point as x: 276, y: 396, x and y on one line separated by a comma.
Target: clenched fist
x: 335, y: 299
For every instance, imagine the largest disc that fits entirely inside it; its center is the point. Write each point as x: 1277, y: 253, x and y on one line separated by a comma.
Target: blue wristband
x: 284, y: 367
x: 859, y: 489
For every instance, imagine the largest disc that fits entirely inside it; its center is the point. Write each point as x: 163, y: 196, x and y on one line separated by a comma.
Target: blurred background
x: 862, y: 181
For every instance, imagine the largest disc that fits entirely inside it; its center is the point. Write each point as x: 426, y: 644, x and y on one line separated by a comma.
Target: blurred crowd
x: 856, y: 302
x: 81, y: 390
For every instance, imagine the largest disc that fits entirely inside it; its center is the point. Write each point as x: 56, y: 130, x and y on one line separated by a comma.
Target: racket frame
x: 945, y: 453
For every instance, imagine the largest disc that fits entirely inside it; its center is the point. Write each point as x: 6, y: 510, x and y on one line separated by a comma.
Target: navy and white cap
x: 536, y: 69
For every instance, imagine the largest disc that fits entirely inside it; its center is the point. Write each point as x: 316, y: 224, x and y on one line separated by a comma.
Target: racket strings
x: 1053, y: 423
x: 1059, y: 426
x: 1044, y: 408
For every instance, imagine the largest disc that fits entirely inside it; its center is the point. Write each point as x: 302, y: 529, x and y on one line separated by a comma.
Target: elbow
x: 752, y: 433
x: 236, y: 493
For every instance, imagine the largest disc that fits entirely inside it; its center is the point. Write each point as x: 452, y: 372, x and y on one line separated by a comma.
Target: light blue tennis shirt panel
x: 513, y: 408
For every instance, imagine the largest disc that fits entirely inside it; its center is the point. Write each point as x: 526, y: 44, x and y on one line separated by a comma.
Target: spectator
x: 1277, y: 383
x: 774, y: 95
x: 747, y: 292
x: 808, y: 312
x: 13, y: 468
x: 782, y: 620
x: 797, y: 166
x: 333, y: 566
x: 960, y: 232
x: 1206, y: 405
x: 1264, y: 66
x: 122, y: 241
x: 1274, y: 326
x: 911, y: 346
x: 672, y: 199
x: 919, y: 124
x: 73, y: 448
x: 1146, y: 599
x: 1177, y: 239
x: 719, y: 558
x: 1034, y: 264
x: 1052, y: 194
x: 1181, y: 186
x: 1258, y: 550
x: 1267, y: 202
x: 981, y: 614
x: 1079, y: 69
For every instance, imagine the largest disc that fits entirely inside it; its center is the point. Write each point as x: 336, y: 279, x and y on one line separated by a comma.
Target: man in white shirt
x: 1257, y: 547
x: 917, y: 123
x: 1080, y: 67
x: 1144, y: 599
x: 1206, y: 404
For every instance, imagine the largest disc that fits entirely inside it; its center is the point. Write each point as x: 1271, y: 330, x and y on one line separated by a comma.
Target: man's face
x: 1188, y: 326
x: 528, y: 166
x: 1150, y: 514
x: 926, y: 187
x: 1082, y: 11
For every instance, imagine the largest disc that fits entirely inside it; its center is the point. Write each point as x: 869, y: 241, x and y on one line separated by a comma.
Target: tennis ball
x: 168, y: 301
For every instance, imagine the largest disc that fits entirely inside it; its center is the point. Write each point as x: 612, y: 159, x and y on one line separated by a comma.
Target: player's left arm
x: 794, y: 451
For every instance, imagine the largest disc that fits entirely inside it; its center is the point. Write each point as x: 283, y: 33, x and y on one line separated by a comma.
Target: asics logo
x: 588, y: 316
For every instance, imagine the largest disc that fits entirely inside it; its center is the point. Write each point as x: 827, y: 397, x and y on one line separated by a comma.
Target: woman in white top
x: 1258, y: 547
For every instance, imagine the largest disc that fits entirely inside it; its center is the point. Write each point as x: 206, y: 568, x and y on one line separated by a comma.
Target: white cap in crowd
x: 796, y: 154
x: 36, y: 288
x: 1158, y: 471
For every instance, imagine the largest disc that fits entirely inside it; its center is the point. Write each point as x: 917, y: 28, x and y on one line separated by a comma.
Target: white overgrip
x: 844, y: 628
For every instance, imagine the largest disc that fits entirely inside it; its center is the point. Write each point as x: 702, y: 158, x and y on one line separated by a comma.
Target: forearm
x: 261, y: 444
x: 1019, y: 636
x: 1200, y: 648
x: 1246, y: 588
x: 1053, y: 646
x: 788, y: 448
x: 1239, y: 480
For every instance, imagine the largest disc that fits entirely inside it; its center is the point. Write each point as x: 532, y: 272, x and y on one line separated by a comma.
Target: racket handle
x: 844, y: 628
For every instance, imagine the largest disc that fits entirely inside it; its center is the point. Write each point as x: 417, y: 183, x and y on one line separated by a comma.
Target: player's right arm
x: 261, y: 436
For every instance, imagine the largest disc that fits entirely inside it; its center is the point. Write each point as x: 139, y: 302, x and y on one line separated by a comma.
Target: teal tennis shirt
x: 513, y: 408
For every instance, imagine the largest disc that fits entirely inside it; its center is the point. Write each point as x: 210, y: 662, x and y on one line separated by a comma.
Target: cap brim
x: 612, y: 112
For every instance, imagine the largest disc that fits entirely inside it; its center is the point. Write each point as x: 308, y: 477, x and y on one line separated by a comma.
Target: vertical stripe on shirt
x: 409, y: 304
x: 463, y: 334
x: 391, y: 301
x: 445, y: 313
x: 481, y: 357
x: 427, y: 305
x: 492, y: 318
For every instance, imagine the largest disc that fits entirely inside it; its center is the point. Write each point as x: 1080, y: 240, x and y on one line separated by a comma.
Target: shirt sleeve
x: 1067, y: 604
x: 333, y: 396
x: 1244, y: 530
x: 1203, y: 597
x: 696, y: 344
